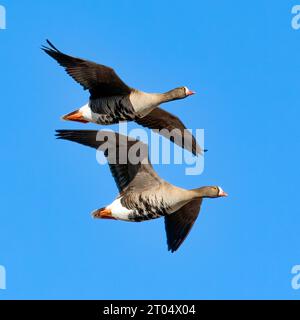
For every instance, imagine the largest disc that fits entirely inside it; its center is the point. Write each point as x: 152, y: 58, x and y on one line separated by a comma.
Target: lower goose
x: 143, y: 195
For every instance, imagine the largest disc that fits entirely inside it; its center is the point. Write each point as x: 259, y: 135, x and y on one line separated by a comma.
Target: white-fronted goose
x: 112, y: 101
x: 143, y: 194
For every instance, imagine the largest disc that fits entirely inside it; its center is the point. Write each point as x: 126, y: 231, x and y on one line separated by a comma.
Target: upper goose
x: 143, y: 194
x: 112, y: 101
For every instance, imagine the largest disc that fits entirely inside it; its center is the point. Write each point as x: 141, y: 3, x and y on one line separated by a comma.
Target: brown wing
x: 97, y: 78
x: 179, y: 224
x: 128, y: 158
x: 170, y: 127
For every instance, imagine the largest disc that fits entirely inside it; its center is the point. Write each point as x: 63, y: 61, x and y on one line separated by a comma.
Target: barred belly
x: 148, y: 209
x: 110, y: 110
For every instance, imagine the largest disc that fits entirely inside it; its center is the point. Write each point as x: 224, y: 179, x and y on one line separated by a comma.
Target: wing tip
x: 173, y: 247
x: 52, y: 47
x: 60, y: 134
x: 51, y: 50
x: 198, y: 151
x: 172, y: 250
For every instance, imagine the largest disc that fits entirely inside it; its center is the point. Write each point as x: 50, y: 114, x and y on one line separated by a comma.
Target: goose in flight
x: 143, y: 195
x: 112, y: 101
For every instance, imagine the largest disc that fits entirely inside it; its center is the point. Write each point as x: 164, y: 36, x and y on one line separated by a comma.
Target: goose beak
x: 190, y: 92
x: 223, y: 194
x: 75, y: 116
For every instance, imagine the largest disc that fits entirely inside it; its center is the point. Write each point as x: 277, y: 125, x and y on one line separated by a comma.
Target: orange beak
x: 75, y: 116
x: 190, y: 92
x: 223, y: 194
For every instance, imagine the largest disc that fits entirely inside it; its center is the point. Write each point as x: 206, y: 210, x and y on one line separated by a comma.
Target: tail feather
x: 102, y: 213
x: 97, y: 213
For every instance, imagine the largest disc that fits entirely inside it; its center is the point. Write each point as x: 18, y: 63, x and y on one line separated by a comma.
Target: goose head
x: 188, y: 92
x: 183, y: 92
x: 211, y: 192
x: 177, y: 93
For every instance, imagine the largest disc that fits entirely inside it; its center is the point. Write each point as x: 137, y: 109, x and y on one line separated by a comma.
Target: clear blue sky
x: 243, y: 61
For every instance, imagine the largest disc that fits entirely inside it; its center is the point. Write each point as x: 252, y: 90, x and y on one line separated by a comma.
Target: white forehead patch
x: 220, y: 190
x: 186, y: 90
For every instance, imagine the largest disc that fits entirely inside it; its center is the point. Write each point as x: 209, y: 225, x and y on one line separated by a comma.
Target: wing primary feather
x: 128, y: 175
x: 52, y: 46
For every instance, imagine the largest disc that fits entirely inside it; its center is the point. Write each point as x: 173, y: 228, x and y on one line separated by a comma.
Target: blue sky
x: 243, y: 61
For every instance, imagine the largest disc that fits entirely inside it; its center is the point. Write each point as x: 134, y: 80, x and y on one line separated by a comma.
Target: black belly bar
x: 112, y: 110
x: 148, y: 212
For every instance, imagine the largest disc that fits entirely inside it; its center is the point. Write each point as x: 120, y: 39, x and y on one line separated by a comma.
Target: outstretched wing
x: 172, y: 128
x: 128, y: 158
x: 97, y: 78
x: 179, y: 224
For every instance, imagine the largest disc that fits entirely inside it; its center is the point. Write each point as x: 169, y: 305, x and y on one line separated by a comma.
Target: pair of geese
x: 143, y: 195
